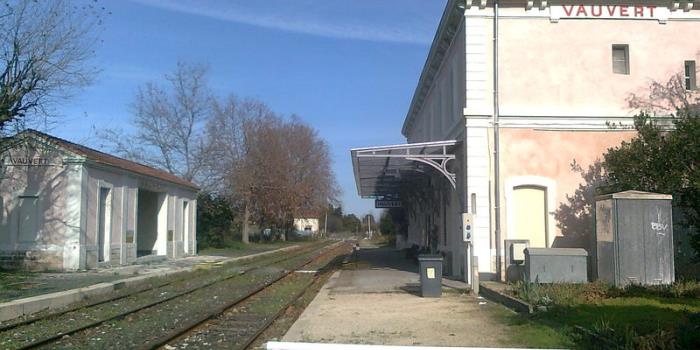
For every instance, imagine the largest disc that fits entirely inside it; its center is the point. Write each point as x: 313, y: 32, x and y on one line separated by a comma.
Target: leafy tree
x: 386, y: 225
x: 335, y: 218
x: 662, y: 159
x: 351, y: 223
x: 215, y: 220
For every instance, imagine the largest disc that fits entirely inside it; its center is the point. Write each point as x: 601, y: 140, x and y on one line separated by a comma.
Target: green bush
x: 563, y: 294
x: 216, y: 227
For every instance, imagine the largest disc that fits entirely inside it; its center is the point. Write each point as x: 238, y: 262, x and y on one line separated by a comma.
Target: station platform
x: 375, y: 300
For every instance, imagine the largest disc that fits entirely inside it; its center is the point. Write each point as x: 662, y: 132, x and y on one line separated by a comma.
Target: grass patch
x: 529, y: 333
x: 635, y: 317
x: 14, y: 284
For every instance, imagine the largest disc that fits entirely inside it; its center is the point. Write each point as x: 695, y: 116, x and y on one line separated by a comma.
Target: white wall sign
x: 638, y: 12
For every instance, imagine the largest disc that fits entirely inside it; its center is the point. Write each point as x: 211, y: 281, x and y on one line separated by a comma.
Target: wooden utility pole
x: 245, y: 235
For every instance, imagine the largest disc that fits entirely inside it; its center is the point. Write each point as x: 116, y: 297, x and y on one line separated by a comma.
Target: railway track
x: 241, y: 324
x: 75, y: 328
x: 153, y: 284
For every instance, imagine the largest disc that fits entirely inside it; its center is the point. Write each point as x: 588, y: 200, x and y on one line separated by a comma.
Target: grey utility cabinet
x: 634, y: 238
x: 556, y: 265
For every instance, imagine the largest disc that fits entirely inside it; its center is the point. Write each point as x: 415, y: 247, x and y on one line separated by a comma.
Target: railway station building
x: 511, y: 94
x: 68, y: 207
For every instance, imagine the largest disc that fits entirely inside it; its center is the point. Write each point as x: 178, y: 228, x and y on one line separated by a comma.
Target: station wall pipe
x: 496, y: 155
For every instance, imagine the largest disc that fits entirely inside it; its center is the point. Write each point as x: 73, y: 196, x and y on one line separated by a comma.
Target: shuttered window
x: 690, y: 76
x: 620, y: 59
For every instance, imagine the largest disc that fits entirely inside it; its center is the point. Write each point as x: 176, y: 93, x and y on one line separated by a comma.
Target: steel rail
x: 279, y: 313
x: 28, y: 321
x: 201, y: 320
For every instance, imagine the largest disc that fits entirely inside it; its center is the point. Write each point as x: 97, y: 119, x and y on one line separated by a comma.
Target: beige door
x: 530, y: 215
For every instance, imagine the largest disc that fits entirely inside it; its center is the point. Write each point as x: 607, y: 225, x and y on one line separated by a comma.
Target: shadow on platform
x: 382, y: 270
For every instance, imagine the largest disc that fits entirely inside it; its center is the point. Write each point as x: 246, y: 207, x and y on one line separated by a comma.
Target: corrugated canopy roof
x: 379, y: 171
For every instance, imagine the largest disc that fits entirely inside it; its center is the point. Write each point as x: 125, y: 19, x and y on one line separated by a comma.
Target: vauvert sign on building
x: 638, y: 12
x: 30, y: 155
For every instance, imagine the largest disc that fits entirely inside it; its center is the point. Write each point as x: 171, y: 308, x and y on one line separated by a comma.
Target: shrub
x: 559, y: 294
x: 573, y: 294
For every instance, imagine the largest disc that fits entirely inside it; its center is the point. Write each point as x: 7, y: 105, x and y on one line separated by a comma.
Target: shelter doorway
x: 149, y: 235
x: 530, y: 215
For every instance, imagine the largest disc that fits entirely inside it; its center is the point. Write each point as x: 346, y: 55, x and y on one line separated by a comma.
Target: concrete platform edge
x: 27, y: 306
x: 329, y: 346
x: 506, y: 300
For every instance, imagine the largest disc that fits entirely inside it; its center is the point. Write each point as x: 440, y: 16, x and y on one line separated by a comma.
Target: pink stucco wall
x: 565, y: 68
x: 549, y: 154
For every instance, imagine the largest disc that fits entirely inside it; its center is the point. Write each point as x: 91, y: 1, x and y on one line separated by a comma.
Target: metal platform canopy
x: 380, y: 170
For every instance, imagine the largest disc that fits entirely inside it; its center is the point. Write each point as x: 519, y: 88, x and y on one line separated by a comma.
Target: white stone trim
x: 71, y: 250
x: 550, y: 187
x: 570, y: 123
x: 107, y: 244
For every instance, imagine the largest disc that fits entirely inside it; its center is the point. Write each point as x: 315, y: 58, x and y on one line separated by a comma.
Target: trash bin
x: 430, y: 275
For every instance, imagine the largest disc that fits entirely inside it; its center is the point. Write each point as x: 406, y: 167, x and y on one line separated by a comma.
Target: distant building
x: 559, y: 75
x: 69, y: 207
x: 306, y: 226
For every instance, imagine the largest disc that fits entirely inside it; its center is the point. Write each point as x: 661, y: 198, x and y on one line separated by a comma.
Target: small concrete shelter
x: 69, y: 207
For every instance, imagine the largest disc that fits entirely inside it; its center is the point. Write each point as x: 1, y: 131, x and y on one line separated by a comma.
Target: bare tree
x: 269, y: 168
x: 45, y: 48
x: 230, y: 135
x: 666, y: 98
x: 275, y: 169
x: 291, y: 171
x: 169, y: 123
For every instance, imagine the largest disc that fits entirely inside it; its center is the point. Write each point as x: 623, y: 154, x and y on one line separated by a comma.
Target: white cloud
x: 317, y: 20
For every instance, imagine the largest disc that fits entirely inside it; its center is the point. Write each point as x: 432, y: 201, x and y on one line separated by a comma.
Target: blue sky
x: 348, y: 68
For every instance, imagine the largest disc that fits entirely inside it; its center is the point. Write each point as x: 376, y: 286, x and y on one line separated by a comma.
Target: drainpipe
x: 496, y: 168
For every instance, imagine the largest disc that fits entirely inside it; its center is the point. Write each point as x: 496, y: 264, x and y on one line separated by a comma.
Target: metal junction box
x: 515, y: 259
x: 634, y: 238
x: 556, y: 265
